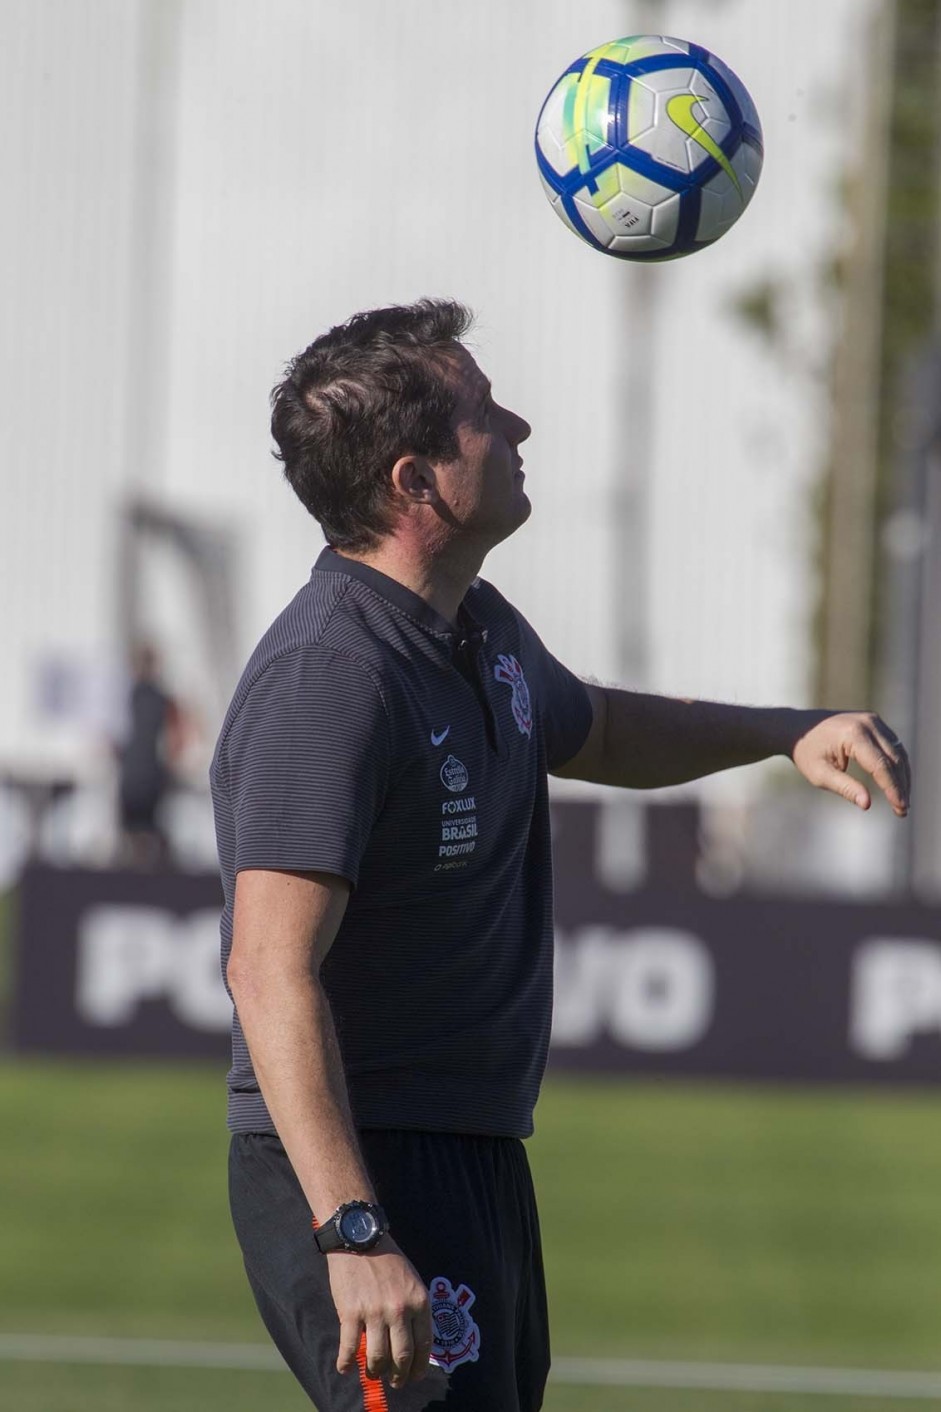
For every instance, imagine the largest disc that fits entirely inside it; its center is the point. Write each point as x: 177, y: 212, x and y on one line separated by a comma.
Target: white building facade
x: 200, y: 187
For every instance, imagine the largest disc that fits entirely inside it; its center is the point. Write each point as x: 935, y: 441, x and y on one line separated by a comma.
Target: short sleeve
x: 561, y: 699
x: 307, y: 762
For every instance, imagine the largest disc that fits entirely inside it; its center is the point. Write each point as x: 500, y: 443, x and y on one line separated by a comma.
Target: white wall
x: 337, y: 159
x: 741, y: 431
x: 68, y: 70
x: 323, y: 158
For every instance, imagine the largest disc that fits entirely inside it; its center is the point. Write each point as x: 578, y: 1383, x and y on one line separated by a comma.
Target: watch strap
x: 328, y: 1236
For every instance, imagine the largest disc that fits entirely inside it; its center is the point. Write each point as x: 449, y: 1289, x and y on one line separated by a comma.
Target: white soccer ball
x: 649, y: 148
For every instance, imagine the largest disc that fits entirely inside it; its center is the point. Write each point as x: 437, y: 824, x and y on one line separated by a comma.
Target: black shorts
x: 462, y: 1210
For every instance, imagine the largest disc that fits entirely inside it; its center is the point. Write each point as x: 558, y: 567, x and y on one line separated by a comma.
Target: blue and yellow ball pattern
x: 649, y: 148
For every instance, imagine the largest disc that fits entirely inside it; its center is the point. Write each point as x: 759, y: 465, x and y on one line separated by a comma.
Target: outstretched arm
x: 648, y: 742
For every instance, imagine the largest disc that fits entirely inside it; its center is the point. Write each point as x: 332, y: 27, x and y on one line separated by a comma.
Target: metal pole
x: 926, y: 870
x: 911, y: 656
x: 849, y: 564
x: 926, y: 848
x: 906, y: 545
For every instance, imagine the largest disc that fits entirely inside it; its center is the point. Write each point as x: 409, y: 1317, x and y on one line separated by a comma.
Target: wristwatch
x: 355, y: 1226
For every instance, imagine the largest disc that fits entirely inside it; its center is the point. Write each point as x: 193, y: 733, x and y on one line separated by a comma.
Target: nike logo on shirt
x: 437, y: 737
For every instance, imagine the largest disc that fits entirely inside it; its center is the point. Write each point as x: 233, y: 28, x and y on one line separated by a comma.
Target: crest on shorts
x: 509, y: 670
x: 456, y: 1336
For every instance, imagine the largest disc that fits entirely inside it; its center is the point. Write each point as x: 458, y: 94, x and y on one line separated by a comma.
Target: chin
x: 521, y: 513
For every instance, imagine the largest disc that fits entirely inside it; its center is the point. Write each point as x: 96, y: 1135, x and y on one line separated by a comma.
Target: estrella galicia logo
x: 509, y: 670
x: 454, y: 775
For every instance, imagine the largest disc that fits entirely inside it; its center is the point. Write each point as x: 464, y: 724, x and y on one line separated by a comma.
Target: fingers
x: 422, y: 1341
x: 884, y: 757
x: 823, y: 755
x: 896, y: 752
x: 398, y: 1350
x: 351, y: 1329
x: 402, y: 1344
x: 385, y: 1317
x: 832, y: 778
x: 378, y: 1349
x: 409, y: 1345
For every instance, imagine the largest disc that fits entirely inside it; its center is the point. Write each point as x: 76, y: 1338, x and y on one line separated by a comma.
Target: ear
x: 414, y: 479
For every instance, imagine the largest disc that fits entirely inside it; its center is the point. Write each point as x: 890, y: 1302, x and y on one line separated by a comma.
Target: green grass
x: 7, y: 919
x: 116, y: 1176
x: 748, y: 1223
x: 641, y: 1400
x: 31, y: 1388
x: 679, y: 1222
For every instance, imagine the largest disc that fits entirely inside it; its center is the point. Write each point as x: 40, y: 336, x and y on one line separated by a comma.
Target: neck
x: 442, y: 580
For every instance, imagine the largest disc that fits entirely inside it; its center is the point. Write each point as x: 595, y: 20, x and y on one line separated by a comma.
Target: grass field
x: 29, y: 1389
x: 750, y: 1225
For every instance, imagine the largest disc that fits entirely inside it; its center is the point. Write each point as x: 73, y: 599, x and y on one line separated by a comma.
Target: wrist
x: 385, y: 1245
x: 355, y: 1227
x: 788, y: 725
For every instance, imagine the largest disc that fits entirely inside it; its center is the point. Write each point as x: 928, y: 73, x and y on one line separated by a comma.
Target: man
x: 382, y: 816
x: 146, y: 756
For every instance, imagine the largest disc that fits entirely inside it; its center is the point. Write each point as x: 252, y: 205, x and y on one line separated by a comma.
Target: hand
x: 381, y: 1294
x: 828, y: 742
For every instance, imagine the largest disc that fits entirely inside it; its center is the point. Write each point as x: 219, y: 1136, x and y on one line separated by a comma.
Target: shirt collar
x: 329, y: 561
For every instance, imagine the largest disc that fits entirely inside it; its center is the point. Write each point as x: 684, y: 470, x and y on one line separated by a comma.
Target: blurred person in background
x: 146, y: 759
x: 381, y: 807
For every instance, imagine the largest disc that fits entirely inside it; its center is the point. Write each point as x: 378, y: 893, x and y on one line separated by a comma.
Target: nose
x: 520, y: 429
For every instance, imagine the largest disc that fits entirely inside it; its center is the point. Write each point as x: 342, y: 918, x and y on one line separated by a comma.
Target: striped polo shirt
x: 370, y: 738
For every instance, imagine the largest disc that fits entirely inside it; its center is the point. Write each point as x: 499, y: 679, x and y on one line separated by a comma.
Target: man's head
x: 388, y: 416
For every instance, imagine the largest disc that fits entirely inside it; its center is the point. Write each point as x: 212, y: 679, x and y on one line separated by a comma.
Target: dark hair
x: 364, y: 394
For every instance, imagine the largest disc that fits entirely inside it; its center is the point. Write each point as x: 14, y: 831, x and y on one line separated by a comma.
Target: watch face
x: 358, y: 1226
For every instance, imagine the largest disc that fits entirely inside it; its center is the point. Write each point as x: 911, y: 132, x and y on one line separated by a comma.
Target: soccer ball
x: 649, y: 148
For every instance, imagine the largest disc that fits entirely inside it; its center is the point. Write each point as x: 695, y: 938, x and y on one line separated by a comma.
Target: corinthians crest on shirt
x: 456, y: 1336
x: 509, y: 670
